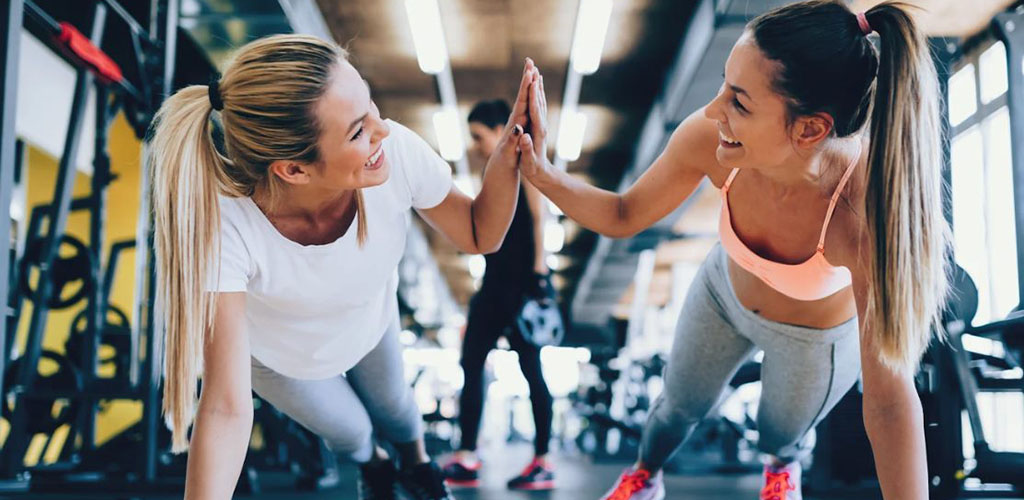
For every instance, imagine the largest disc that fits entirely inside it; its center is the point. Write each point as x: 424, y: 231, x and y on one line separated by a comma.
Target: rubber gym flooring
x: 578, y: 478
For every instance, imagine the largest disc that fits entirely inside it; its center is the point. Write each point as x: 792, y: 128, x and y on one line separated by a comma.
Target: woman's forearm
x: 593, y: 208
x: 896, y: 432
x: 216, y: 453
x: 494, y: 207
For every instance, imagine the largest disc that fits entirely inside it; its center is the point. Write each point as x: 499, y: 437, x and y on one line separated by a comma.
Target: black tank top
x: 511, y: 267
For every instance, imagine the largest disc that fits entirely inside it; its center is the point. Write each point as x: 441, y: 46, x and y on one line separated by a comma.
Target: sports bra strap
x: 728, y: 182
x: 835, y: 198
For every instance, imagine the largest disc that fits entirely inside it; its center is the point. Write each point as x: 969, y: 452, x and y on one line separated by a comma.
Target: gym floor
x: 578, y: 478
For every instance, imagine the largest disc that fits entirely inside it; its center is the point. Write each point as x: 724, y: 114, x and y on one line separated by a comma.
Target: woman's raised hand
x: 507, y: 152
x: 533, y: 162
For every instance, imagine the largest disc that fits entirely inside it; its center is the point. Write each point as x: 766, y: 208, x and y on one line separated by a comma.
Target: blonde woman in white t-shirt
x: 277, y: 259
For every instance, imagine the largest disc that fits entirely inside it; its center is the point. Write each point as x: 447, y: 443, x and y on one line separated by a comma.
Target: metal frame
x: 11, y: 18
x: 10, y: 46
x: 110, y: 97
x: 1009, y: 27
x: 11, y: 460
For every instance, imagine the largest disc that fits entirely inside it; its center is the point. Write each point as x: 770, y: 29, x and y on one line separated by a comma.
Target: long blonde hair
x: 828, y: 64
x: 269, y: 92
x: 911, y: 237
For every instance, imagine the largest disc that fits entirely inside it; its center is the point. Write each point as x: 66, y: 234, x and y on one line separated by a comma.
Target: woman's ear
x: 810, y: 130
x: 291, y: 172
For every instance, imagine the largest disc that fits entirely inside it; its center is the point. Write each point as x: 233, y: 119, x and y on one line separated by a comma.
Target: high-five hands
x: 533, y: 162
x: 506, y: 155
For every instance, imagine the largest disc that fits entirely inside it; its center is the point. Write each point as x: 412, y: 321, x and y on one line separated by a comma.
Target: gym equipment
x: 956, y: 377
x: 114, y: 337
x: 50, y: 280
x: 65, y: 271
x: 45, y: 411
x: 539, y: 321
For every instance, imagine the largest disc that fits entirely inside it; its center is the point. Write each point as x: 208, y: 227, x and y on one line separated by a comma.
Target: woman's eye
x: 358, y: 133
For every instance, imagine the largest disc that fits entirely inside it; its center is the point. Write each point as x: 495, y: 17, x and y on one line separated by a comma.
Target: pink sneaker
x: 782, y: 483
x: 637, y: 485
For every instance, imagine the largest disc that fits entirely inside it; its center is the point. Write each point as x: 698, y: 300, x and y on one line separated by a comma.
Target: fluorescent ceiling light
x: 571, y: 127
x: 588, y: 40
x: 427, y: 35
x: 449, y: 135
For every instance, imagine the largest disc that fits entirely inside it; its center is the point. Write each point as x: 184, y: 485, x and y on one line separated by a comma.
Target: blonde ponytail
x: 187, y: 240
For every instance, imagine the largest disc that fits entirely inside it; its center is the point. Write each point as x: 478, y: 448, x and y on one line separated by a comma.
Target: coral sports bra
x: 812, y: 279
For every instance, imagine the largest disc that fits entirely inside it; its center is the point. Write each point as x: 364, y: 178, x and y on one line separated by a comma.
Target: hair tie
x: 862, y: 21
x: 213, y: 90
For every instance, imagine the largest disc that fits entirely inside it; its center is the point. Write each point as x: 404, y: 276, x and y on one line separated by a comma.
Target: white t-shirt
x: 314, y: 311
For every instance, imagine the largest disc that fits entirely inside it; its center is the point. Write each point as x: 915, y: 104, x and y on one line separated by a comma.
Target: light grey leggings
x: 349, y: 409
x: 804, y: 373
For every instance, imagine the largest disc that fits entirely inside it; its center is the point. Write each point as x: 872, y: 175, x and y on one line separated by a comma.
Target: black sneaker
x: 539, y: 475
x: 424, y: 482
x: 457, y: 473
x: 376, y: 481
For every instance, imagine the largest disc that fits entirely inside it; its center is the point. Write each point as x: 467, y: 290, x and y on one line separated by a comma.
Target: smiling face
x: 751, y: 116
x: 352, y: 131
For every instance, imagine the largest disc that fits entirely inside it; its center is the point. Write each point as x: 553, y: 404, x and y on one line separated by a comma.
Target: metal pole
x: 149, y: 322
x: 10, y: 45
x: 96, y: 312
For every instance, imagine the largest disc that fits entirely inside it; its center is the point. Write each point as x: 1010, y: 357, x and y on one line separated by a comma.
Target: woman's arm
x: 892, y: 413
x: 672, y: 177
x: 220, y: 435
x: 479, y: 225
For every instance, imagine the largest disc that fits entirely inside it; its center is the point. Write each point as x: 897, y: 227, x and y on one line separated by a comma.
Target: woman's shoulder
x: 847, y: 233
x: 232, y: 209
x: 239, y: 214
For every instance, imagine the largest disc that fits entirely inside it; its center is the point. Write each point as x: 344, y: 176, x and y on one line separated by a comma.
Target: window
x: 962, y: 95
x: 992, y: 64
x: 984, y: 228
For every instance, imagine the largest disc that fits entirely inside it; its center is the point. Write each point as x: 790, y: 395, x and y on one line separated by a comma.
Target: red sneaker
x: 637, y: 485
x: 782, y: 483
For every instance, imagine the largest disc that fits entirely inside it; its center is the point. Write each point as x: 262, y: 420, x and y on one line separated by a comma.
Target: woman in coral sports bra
x: 826, y: 150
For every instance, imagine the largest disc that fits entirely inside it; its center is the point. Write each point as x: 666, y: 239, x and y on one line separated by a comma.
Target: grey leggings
x: 348, y: 409
x: 804, y: 373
